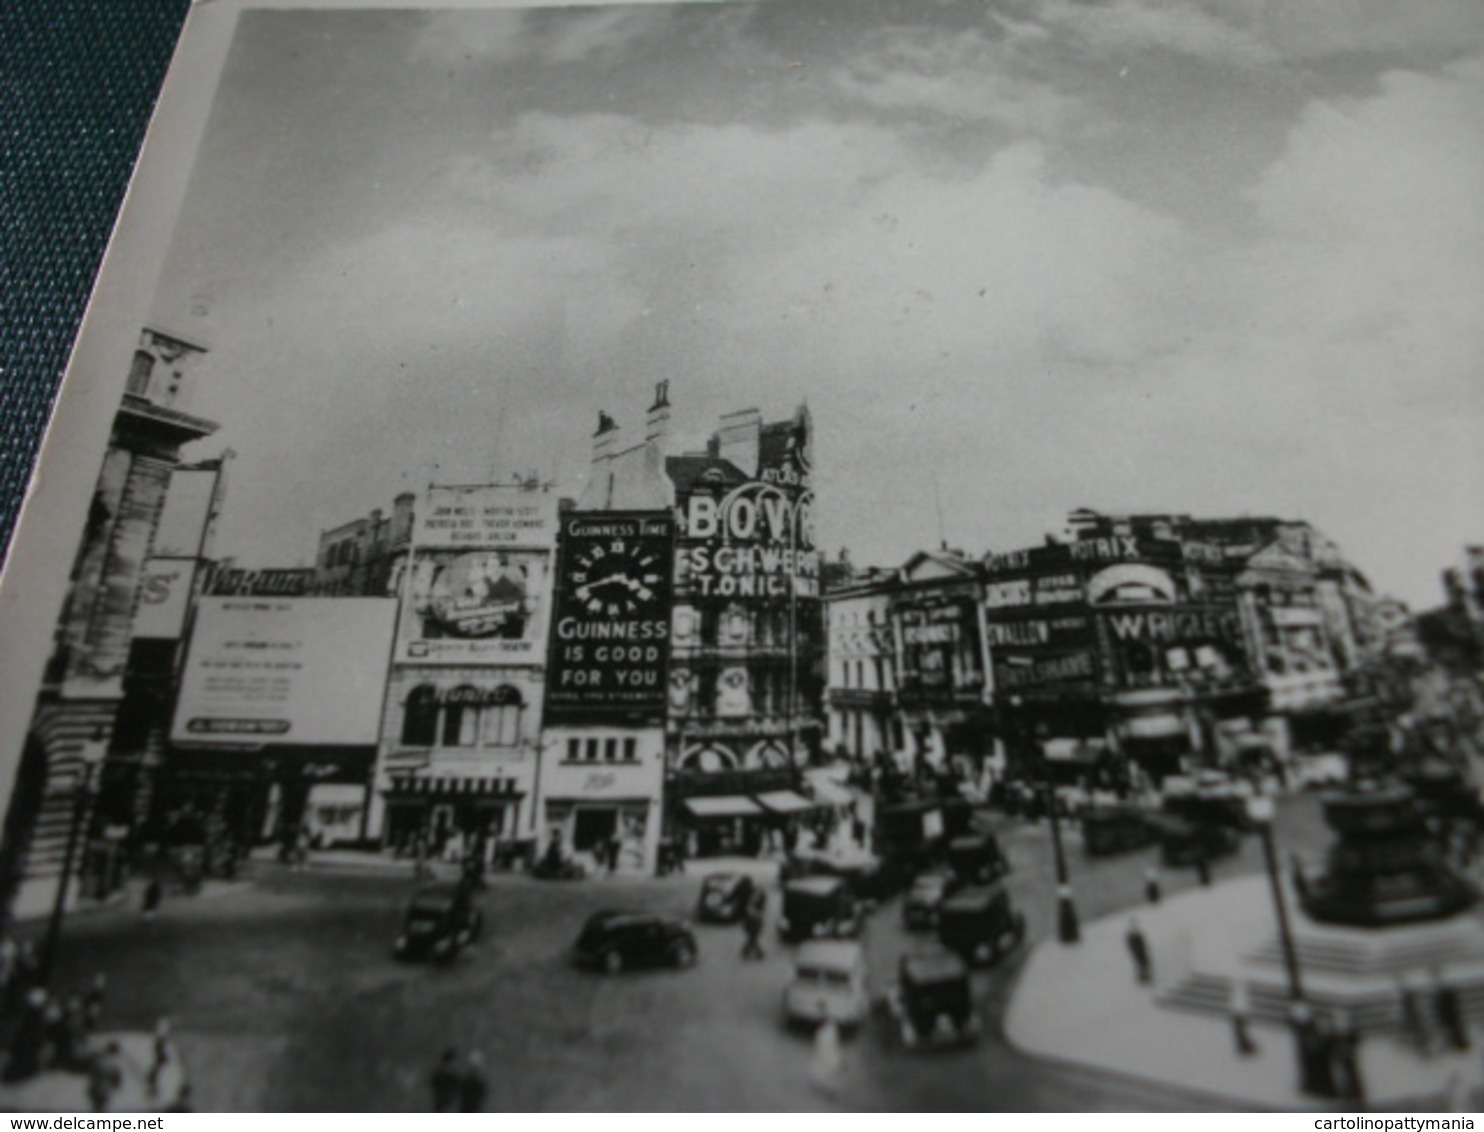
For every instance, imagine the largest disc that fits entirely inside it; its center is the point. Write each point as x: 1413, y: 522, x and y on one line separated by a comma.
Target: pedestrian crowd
x: 58, y: 1032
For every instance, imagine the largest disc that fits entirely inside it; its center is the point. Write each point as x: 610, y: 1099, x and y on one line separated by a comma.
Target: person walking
x: 1151, y: 884
x: 162, y: 1054
x: 473, y: 1084
x: 1138, y: 949
x: 753, y: 917
x: 446, y: 1082
x: 1203, y: 870
x: 828, y: 1061
x: 92, y: 1002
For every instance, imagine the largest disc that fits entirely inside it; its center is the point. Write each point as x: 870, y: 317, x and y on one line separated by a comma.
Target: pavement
x: 60, y: 1091
x: 1080, y: 1004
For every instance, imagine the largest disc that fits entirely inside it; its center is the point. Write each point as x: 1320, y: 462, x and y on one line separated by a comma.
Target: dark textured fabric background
x: 78, y: 80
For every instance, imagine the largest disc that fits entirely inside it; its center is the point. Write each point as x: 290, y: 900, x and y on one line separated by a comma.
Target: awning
x: 725, y: 806
x: 785, y: 802
x: 442, y: 784
x: 337, y: 794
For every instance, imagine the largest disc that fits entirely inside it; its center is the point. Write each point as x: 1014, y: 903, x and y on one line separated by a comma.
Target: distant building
x: 358, y: 558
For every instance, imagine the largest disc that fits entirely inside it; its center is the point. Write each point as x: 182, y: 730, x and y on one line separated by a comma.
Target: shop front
x: 600, y: 798
x: 447, y: 814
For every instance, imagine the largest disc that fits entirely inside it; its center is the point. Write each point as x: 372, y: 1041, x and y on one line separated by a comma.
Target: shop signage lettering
x: 1018, y: 632
x: 611, y: 624
x: 230, y: 581
x: 1004, y: 595
x: 1112, y: 548
x: 754, y: 512
x: 1058, y: 589
x: 1029, y: 672
x: 1176, y: 625
x: 1008, y: 562
x: 1203, y: 552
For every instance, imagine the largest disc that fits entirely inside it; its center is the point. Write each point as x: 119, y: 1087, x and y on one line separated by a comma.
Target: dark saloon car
x: 980, y: 924
x: 925, y: 897
x: 817, y: 907
x: 441, y: 921
x: 932, y: 1002
x: 724, y: 897
x: 976, y: 858
x: 613, y: 941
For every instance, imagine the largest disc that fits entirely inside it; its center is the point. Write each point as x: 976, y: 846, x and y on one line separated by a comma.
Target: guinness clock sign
x: 610, y: 635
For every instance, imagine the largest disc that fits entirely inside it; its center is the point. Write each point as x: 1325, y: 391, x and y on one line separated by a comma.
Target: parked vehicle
x: 932, y: 1001
x: 442, y: 920
x: 1111, y: 830
x: 926, y: 896
x: 829, y: 984
x: 977, y: 859
x: 615, y: 941
x: 1184, y: 843
x: 912, y: 834
x: 1318, y: 772
x: 724, y: 897
x: 819, y: 906
x: 980, y: 925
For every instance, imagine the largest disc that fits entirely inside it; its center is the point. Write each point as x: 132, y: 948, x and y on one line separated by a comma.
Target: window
x: 420, y: 720
x: 500, y: 724
x: 592, y: 750
x: 630, y: 750
x: 574, y: 750
x: 460, y: 724
x: 610, y: 750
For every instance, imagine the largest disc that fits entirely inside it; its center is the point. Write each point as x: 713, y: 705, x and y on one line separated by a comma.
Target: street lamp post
x: 1260, y: 810
x: 1068, y: 928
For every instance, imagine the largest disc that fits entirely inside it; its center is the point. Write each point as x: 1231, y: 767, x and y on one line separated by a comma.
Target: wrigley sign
x: 1171, y: 626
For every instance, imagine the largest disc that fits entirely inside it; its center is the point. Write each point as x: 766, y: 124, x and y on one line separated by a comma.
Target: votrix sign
x: 610, y: 629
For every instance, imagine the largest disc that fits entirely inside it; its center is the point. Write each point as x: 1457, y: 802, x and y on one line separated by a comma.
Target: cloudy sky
x: 1221, y: 257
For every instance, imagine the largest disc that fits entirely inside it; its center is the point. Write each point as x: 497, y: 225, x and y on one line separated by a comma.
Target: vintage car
x: 819, y: 906
x: 614, y: 941
x: 980, y: 925
x: 442, y: 920
x: 829, y: 984
x: 976, y: 858
x: 724, y: 897
x: 1115, y: 829
x: 1185, y: 842
x: 932, y: 1001
x: 926, y: 896
x: 870, y: 878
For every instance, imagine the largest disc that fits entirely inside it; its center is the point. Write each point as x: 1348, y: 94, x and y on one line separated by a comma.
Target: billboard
x: 487, y: 516
x: 164, y: 598
x: 476, y: 607
x: 187, y: 511
x: 610, y: 635
x: 939, y: 644
x: 302, y: 671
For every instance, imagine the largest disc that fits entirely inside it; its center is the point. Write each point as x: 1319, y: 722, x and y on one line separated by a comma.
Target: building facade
x: 83, y: 686
x: 462, y: 727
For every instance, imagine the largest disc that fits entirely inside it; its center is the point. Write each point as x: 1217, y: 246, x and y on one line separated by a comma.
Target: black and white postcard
x: 795, y: 555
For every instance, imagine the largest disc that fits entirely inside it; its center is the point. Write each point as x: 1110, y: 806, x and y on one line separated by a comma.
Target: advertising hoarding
x: 610, y: 634
x: 301, y: 671
x: 476, y: 606
x: 488, y: 516
x: 939, y: 645
x: 164, y: 598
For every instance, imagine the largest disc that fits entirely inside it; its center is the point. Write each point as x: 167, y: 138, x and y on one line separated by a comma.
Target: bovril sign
x: 755, y: 541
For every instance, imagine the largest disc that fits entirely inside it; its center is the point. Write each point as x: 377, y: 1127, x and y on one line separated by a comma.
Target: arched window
x: 500, y: 723
x: 420, y: 719
x: 139, y: 373
x: 461, y: 708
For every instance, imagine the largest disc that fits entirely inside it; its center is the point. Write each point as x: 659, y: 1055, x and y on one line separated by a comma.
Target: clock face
x: 617, y: 578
